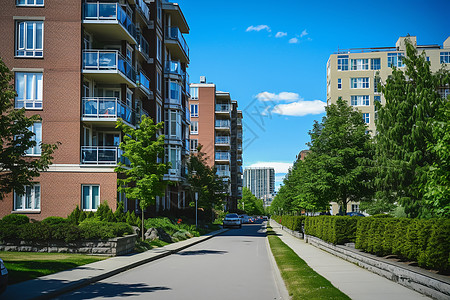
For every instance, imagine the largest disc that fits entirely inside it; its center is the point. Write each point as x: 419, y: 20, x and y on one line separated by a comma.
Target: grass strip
x: 24, y: 266
x: 301, y: 281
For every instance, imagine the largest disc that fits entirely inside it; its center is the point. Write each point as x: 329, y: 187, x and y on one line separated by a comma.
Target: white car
x: 231, y: 220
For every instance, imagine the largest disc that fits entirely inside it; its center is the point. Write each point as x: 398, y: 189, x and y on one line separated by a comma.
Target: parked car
x: 355, y: 214
x: 245, y: 219
x: 3, y: 276
x: 265, y: 218
x: 231, y: 220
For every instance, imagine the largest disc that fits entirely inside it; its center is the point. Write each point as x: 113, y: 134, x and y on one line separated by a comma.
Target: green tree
x: 250, y: 204
x: 405, y: 132
x: 142, y: 178
x: 341, y: 155
x: 16, y: 170
x: 204, y: 180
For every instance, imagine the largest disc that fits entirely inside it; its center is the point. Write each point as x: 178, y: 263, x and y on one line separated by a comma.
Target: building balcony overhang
x: 106, y: 111
x: 177, y: 16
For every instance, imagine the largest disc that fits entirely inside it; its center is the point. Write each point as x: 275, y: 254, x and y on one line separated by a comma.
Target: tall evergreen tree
x: 404, y: 129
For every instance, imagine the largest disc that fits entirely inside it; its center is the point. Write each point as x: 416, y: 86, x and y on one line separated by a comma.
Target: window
x: 29, y: 90
x: 395, y: 60
x: 360, y: 100
x: 129, y: 53
x: 342, y: 62
x: 31, y: 200
x: 355, y: 207
x: 194, y: 145
x: 158, y: 49
x: 445, y: 57
x: 444, y: 92
x: 360, y: 64
x: 129, y: 98
x: 194, y: 110
x: 37, y: 137
x: 173, y: 124
x: 174, y: 92
x: 377, y: 98
x: 375, y: 64
x: 30, y: 38
x: 194, y: 127
x: 90, y: 198
x: 376, y: 82
x: 359, y: 83
x: 366, y: 118
x: 158, y: 10
x: 194, y: 93
x: 158, y: 113
x: 339, y: 83
x: 158, y: 81
x: 30, y: 2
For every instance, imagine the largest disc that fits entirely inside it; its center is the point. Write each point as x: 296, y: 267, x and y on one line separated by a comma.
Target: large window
x: 36, y: 128
x: 445, y: 57
x: 173, y: 124
x: 360, y: 64
x: 194, y: 93
x: 395, y: 60
x: 194, y: 127
x: 158, y: 49
x: 30, y: 2
x: 366, y: 118
x: 30, y: 38
x: 194, y: 145
x: 90, y: 198
x: 375, y: 64
x: 194, y: 110
x: 360, y: 100
x: 359, y: 83
x: 31, y: 200
x: 377, y: 98
x: 342, y: 62
x: 29, y: 90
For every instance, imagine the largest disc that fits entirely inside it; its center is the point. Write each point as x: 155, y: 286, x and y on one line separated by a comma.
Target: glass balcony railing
x: 104, y: 108
x: 188, y: 115
x: 223, y: 108
x: 107, y: 155
x: 222, y: 123
x: 143, y: 82
x: 143, y: 45
x: 223, y: 140
x: 186, y: 83
x: 220, y: 155
x: 106, y: 60
x: 143, y: 8
x: 174, y: 67
x: 223, y: 173
x: 109, y: 11
x: 173, y: 33
x: 174, y: 94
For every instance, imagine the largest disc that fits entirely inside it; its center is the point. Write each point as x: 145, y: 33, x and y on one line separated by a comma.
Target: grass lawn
x: 301, y: 281
x: 29, y: 265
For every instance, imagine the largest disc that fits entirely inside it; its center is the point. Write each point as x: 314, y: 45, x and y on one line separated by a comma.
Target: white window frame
x: 359, y: 64
x: 360, y: 100
x: 33, y: 193
x: 194, y: 145
x: 341, y: 66
x: 194, y: 93
x: 366, y: 117
x: 31, y: 96
x: 359, y: 83
x: 26, y: 3
x: 444, y: 57
x: 194, y: 127
x: 36, y: 150
x: 91, y: 186
x: 372, y: 64
x: 194, y: 110
x: 395, y: 60
x: 22, y: 49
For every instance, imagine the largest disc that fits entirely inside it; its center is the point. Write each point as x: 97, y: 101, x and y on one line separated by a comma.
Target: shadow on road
x: 110, y: 290
x: 201, y: 252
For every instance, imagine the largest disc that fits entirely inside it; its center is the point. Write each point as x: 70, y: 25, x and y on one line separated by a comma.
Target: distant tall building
x: 260, y: 181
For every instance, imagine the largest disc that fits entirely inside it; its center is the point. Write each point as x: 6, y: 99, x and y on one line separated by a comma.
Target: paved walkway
x: 354, y: 281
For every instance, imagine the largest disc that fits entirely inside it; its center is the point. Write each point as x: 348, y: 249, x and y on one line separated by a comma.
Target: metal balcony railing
x: 223, y: 140
x: 143, y: 45
x: 106, y: 155
x: 107, y: 107
x: 223, y: 108
x: 222, y: 155
x: 174, y: 67
x: 173, y: 33
x: 106, y: 60
x: 222, y: 123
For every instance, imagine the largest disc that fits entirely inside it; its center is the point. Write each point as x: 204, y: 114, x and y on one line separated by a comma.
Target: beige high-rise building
x: 351, y: 72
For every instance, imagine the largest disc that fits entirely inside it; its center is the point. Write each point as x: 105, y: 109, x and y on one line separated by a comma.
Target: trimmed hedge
x: 332, y: 229
x: 292, y: 222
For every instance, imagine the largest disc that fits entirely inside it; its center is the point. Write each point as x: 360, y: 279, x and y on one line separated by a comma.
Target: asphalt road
x: 234, y: 265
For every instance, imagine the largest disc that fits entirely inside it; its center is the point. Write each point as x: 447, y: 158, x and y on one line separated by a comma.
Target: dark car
x: 3, y: 276
x: 355, y: 214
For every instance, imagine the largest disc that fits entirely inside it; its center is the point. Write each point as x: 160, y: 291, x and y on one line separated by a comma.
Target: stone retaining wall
x: 111, y: 247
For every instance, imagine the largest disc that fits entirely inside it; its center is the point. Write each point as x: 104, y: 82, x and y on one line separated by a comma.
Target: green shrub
x: 55, y: 221
x: 399, y: 241
x: 95, y: 229
x: 119, y: 215
x: 437, y: 253
x: 332, y: 229
x: 34, y: 231
x: 16, y: 219
x: 162, y: 223
x: 74, y: 216
x: 8, y: 231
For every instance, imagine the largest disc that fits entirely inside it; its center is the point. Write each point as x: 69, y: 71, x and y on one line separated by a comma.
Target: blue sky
x: 269, y: 53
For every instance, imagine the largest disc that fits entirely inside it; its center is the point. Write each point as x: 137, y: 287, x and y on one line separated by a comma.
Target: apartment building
x: 351, y: 75
x: 216, y: 125
x: 82, y: 65
x: 261, y: 182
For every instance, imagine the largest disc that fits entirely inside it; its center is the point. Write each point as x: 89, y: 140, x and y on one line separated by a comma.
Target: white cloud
x: 283, y: 96
x: 300, y: 108
x: 293, y: 41
x: 280, y: 34
x: 258, y: 28
x: 304, y: 32
x: 280, y: 167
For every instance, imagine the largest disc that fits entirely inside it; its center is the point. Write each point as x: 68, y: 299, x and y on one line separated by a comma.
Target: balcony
x: 108, y: 22
x: 102, y: 155
x: 222, y: 125
x: 221, y: 173
x: 222, y: 141
x: 108, y: 66
x: 143, y: 10
x: 239, y: 135
x: 143, y: 47
x: 173, y: 95
x: 176, y: 44
x: 223, y: 109
x: 104, y: 110
x: 239, y: 148
x: 173, y: 67
x: 143, y: 83
x: 222, y: 157
x: 239, y: 122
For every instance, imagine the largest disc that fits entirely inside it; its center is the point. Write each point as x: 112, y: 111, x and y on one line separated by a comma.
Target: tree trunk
x: 142, y: 224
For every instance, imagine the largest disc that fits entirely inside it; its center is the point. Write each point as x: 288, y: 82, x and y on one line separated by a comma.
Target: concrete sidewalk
x: 354, y: 281
x: 47, y: 287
